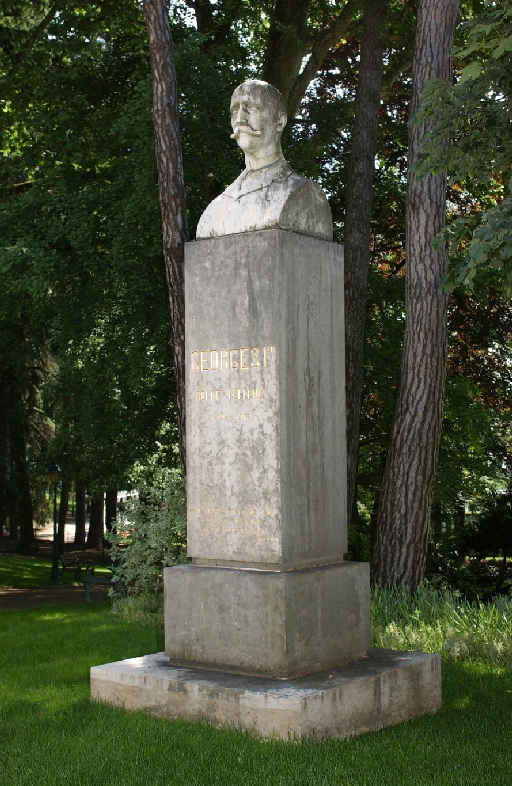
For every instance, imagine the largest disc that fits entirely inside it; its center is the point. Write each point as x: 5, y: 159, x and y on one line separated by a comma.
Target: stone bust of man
x: 268, y: 194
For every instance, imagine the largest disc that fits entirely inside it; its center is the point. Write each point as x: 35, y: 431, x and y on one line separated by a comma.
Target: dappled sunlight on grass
x: 29, y: 572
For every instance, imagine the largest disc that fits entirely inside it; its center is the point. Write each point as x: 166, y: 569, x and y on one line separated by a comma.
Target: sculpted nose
x: 241, y: 115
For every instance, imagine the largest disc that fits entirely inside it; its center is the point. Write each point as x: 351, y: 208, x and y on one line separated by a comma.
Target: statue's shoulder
x: 271, y: 197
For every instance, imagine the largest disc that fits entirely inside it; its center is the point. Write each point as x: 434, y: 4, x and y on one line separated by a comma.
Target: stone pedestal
x: 277, y: 624
x: 265, y: 387
x: 268, y: 627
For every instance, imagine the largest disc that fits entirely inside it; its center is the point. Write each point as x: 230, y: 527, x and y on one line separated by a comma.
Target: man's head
x: 258, y: 116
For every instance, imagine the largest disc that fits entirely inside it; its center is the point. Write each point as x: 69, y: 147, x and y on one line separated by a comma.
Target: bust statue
x: 268, y: 194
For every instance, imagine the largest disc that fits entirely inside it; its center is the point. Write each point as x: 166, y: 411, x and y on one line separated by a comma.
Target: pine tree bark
x: 96, y: 523
x: 171, y: 189
x: 13, y: 517
x: 4, y: 460
x: 400, y: 551
x: 358, y: 199
x: 79, y: 513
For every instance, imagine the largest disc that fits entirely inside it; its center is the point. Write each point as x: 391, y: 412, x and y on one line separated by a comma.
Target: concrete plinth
x: 265, y: 388
x: 278, y: 624
x: 382, y: 689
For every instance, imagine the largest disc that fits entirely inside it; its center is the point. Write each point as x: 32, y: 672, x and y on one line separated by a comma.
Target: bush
x: 144, y: 610
x: 152, y: 536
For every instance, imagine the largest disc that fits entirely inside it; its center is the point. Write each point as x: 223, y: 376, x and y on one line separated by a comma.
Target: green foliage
x: 152, y: 535
x: 471, y: 137
x: 442, y: 621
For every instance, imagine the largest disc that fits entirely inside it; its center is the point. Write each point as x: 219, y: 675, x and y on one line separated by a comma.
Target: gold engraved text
x: 241, y: 358
x: 231, y: 395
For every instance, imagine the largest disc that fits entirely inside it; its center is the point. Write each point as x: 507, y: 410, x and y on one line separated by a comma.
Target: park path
x: 30, y: 597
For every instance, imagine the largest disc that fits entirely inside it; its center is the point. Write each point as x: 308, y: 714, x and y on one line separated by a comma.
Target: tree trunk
x: 361, y: 169
x: 63, y: 509
x: 111, y: 509
x: 13, y: 517
x: 96, y: 523
x: 406, y: 496
x: 4, y: 456
x: 79, y: 513
x: 286, y: 44
x: 19, y: 473
x: 288, y: 40
x: 171, y: 189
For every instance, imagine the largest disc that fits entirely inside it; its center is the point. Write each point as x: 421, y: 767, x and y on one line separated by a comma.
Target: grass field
x: 52, y: 735
x: 30, y: 572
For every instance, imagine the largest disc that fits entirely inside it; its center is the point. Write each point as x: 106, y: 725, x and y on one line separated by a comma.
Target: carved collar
x: 255, y: 179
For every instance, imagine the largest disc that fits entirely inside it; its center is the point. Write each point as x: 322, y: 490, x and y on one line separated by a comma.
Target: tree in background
x: 471, y: 139
x: 81, y: 250
x: 405, y: 501
x: 171, y: 191
x: 357, y: 234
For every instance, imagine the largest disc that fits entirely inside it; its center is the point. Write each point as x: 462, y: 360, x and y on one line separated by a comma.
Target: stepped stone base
x: 382, y: 689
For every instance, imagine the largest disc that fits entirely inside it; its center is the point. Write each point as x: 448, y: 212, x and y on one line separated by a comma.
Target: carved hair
x: 271, y: 93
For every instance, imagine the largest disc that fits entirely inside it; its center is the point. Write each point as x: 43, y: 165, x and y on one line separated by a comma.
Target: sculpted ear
x: 282, y: 121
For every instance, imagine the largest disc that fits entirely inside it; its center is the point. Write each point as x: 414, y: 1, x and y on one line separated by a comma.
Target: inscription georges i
x: 237, y: 358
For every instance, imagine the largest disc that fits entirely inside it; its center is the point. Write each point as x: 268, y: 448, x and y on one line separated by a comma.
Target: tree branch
x: 34, y: 37
x: 321, y: 45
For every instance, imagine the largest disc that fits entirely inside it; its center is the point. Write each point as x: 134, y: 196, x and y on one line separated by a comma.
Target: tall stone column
x: 268, y: 591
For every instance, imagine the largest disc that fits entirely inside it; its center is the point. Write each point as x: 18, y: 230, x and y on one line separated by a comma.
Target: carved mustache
x: 246, y: 128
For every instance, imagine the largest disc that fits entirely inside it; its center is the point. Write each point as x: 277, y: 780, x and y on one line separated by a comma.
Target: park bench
x: 91, y: 577
x: 72, y: 564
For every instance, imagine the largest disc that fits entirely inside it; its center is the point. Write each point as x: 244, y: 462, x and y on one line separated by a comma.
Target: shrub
x: 152, y: 536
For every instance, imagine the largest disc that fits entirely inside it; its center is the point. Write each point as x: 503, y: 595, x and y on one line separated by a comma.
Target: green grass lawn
x: 30, y: 572
x: 51, y: 734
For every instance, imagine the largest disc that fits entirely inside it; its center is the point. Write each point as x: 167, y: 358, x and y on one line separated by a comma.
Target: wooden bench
x: 92, y: 577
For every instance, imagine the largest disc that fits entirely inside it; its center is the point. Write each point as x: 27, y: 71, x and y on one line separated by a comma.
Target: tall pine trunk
x: 13, y: 517
x: 361, y: 169
x: 400, y: 550
x: 111, y: 509
x: 171, y: 189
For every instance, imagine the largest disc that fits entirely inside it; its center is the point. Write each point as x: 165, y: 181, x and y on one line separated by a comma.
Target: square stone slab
x: 382, y: 689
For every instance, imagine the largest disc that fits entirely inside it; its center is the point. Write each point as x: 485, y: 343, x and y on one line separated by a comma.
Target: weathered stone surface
x: 382, y: 689
x: 278, y: 624
x: 268, y: 193
x: 273, y: 198
x: 265, y: 400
